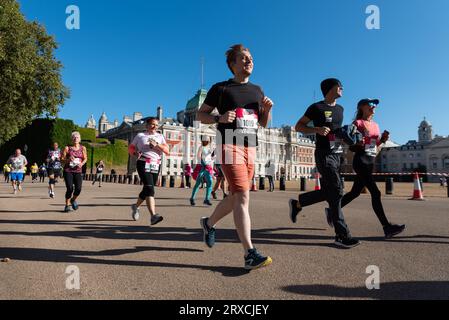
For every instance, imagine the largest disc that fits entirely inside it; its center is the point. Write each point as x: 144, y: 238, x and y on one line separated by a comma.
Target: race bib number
x: 246, y: 119
x: 151, y: 166
x: 75, y: 162
x: 335, y: 144
x: 371, y: 148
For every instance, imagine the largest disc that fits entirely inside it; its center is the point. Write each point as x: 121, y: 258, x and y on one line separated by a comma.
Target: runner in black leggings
x: 148, y: 147
x: 363, y: 164
x: 74, y: 156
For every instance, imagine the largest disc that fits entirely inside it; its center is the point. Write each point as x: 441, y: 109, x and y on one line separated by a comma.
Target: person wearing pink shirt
x: 364, y: 159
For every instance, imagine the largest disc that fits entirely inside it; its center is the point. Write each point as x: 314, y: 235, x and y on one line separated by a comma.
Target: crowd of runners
x: 242, y: 108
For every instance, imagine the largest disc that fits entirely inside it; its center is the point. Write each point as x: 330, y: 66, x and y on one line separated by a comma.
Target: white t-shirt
x: 142, y: 143
x: 18, y: 163
x: 206, y: 156
x: 271, y: 169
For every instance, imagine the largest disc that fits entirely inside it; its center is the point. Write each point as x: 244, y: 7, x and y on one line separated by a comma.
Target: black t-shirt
x: 324, y: 115
x: 245, y: 99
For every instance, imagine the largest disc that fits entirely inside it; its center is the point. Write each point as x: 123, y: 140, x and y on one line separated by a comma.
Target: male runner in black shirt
x: 327, y: 118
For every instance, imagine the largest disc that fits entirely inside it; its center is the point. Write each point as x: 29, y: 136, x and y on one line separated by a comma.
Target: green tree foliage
x: 30, y: 75
x: 39, y: 137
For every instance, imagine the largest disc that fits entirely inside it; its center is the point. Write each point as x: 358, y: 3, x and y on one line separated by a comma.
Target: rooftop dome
x: 425, y: 123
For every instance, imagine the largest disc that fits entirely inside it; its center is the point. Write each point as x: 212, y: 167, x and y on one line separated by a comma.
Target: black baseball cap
x: 367, y: 101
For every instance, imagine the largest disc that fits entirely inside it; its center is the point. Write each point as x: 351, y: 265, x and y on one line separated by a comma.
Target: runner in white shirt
x: 148, y: 147
x: 18, y: 164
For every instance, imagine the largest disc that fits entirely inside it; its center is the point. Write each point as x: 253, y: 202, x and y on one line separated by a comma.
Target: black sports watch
x: 217, y: 119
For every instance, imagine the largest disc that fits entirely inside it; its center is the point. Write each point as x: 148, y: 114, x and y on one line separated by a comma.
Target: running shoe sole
x: 391, y: 235
x: 158, y: 221
x: 265, y: 263
x: 345, y: 246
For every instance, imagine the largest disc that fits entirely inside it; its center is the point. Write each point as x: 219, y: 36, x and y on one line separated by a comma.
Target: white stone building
x: 429, y: 154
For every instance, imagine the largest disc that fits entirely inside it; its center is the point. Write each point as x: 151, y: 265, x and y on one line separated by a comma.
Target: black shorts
x: 56, y: 172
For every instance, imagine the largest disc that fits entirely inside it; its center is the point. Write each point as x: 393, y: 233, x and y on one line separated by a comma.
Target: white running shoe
x: 135, y: 212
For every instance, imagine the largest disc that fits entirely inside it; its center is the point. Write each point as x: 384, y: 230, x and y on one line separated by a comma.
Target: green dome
x: 197, y: 100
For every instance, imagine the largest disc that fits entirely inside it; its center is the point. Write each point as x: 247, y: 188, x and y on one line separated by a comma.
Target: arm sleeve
x: 310, y: 112
x: 135, y: 140
x: 213, y: 97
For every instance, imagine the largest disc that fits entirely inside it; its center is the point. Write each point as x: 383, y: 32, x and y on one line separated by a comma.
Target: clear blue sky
x: 135, y: 55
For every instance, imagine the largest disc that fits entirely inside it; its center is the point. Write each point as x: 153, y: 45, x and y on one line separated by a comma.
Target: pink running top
x: 370, y: 130
x: 79, y: 157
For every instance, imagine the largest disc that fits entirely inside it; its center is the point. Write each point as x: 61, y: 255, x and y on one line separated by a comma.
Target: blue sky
x: 135, y: 55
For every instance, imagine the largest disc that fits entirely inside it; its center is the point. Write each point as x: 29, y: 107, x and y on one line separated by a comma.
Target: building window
x: 446, y: 163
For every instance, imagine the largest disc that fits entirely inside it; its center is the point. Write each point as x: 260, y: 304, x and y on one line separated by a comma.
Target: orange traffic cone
x: 254, y: 186
x: 417, y: 192
x: 317, y: 182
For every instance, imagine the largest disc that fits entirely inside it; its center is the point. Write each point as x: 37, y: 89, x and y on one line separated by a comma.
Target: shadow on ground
x: 91, y: 257
x: 413, y: 290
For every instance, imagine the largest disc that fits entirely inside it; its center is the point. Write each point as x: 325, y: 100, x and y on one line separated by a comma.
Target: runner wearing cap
x: 364, y: 159
x: 327, y: 119
x: 148, y: 147
x: 242, y: 107
x: 205, y: 164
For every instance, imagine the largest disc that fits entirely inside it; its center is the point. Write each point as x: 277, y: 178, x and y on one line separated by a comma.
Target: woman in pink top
x: 364, y: 160
x: 75, y: 157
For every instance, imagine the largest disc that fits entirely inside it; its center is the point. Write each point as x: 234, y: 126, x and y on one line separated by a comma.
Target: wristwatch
x: 217, y: 119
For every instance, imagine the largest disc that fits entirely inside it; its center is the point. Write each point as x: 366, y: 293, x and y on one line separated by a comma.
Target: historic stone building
x: 429, y: 154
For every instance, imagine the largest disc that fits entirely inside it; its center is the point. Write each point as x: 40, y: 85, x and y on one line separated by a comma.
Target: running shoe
x: 393, y: 230
x: 214, y: 195
x: 192, y: 202
x: 68, y: 209
x: 135, y: 212
x: 156, y: 219
x: 207, y: 203
x: 74, y: 205
x: 327, y: 211
x: 294, y: 210
x: 254, y: 260
x: 208, y: 233
x: 346, y: 242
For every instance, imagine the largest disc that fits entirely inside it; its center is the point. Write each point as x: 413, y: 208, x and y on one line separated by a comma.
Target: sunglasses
x: 372, y: 104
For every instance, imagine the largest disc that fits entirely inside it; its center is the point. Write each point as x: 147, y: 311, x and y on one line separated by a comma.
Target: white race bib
x: 246, y: 119
x: 335, y: 144
x: 152, y: 166
x: 371, y: 148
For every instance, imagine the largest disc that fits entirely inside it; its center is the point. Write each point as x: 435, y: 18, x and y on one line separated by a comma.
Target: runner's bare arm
x: 64, y: 154
x: 204, y: 115
x: 265, y: 115
x: 301, y: 126
x: 84, y: 157
x: 164, y: 148
x: 132, y: 150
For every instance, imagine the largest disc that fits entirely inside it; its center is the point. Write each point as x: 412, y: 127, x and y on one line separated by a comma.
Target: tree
x: 30, y: 78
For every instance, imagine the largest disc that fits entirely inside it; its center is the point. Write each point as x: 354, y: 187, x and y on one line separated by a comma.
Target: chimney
x: 159, y: 113
x: 137, y: 116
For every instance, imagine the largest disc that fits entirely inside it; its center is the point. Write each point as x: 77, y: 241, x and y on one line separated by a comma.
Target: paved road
x: 122, y: 259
